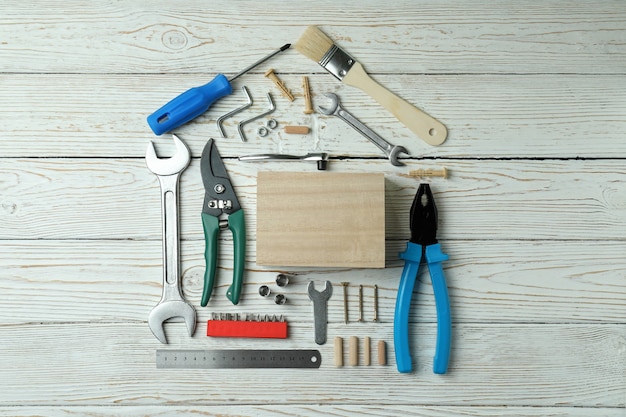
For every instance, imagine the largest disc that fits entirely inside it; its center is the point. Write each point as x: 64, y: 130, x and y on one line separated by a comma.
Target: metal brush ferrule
x: 337, y: 62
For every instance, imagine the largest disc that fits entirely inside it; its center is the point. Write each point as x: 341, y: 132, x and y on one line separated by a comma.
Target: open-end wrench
x: 335, y: 109
x: 172, y: 302
x: 320, y: 309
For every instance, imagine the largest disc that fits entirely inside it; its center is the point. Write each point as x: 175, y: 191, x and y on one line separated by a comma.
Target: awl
x: 195, y: 101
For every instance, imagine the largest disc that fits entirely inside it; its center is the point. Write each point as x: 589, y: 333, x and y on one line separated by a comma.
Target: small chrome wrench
x: 335, y: 109
x: 172, y: 302
x: 320, y: 310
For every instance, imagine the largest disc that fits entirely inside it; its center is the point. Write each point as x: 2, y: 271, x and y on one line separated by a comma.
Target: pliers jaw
x: 219, y: 194
x: 423, y: 217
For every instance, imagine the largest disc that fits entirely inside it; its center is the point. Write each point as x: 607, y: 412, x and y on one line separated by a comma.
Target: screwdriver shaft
x: 260, y: 61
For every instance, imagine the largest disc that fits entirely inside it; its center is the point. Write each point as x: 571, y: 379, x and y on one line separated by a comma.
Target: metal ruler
x: 238, y: 358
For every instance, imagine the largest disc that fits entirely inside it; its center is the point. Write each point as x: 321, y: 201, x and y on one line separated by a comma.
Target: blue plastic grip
x: 189, y: 105
x: 412, y: 257
x: 435, y: 257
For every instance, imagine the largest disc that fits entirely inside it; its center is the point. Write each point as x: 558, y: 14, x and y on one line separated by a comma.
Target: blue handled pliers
x: 423, y: 245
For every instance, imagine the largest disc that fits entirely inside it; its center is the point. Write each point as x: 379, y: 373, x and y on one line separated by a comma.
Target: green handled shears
x: 220, y: 199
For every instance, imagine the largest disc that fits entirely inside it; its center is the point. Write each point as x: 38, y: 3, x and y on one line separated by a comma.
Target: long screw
x: 345, y: 301
x: 360, y: 303
x: 375, y: 302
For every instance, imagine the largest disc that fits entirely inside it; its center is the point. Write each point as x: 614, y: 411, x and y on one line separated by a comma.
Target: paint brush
x: 317, y: 46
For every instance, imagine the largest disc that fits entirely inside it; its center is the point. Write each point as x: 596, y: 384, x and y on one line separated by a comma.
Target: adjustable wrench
x: 320, y: 309
x: 335, y: 109
x: 172, y: 302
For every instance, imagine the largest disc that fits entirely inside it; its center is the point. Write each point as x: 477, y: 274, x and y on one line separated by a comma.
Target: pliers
x: 423, y: 245
x: 220, y: 198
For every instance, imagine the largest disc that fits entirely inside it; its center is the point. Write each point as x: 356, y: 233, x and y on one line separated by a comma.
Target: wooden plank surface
x: 532, y: 215
x: 321, y: 219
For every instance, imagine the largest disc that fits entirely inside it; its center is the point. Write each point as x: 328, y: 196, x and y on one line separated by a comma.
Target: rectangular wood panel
x: 321, y: 219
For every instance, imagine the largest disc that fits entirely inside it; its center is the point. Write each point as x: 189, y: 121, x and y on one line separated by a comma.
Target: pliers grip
x: 412, y: 257
x: 237, y: 225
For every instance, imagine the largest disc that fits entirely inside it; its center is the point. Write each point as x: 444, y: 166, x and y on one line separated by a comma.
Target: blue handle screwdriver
x: 195, y: 101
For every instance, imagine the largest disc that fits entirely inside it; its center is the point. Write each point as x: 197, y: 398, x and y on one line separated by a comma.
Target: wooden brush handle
x: 431, y: 130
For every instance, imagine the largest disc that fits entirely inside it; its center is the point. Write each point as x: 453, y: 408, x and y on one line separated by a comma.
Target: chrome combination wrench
x: 172, y: 302
x: 335, y: 109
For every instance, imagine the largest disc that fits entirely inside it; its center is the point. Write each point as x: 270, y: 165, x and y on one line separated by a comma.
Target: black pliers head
x: 423, y: 217
x: 220, y: 199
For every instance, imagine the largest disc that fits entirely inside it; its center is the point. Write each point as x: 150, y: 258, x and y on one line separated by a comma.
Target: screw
x: 375, y: 303
x: 345, y: 301
x: 219, y: 188
x: 360, y: 303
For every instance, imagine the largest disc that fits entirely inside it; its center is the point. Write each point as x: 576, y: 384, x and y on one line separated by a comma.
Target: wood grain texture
x: 321, y: 219
x: 115, y: 363
x: 487, y: 116
x: 484, y: 199
x: 532, y: 215
x: 403, y: 36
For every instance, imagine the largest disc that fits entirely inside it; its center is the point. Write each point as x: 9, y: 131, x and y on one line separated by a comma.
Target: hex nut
x: 272, y: 123
x: 262, y: 131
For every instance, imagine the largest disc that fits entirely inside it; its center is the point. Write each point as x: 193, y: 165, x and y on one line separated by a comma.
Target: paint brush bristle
x: 313, y: 43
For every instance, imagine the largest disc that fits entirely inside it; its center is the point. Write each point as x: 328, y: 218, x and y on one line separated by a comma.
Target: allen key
x: 221, y: 119
x: 242, y: 123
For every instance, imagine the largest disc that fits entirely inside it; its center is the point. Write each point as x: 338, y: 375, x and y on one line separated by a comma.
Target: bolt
x: 219, y: 188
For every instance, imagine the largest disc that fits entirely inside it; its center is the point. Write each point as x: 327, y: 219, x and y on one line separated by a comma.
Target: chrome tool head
x: 168, y: 166
x: 315, y: 295
x: 166, y: 310
x: 334, y: 104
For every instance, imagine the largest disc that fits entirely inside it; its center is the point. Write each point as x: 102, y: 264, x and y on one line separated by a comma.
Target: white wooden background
x: 533, y: 215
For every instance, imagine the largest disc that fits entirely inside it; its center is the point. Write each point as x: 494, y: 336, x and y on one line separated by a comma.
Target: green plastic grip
x: 237, y: 225
x: 211, y: 227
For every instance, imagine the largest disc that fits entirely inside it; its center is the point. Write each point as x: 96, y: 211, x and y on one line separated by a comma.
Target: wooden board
x: 322, y: 219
